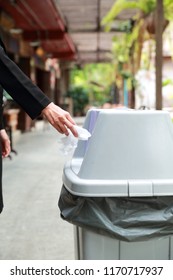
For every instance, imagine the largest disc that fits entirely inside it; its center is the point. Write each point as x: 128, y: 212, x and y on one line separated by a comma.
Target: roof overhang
x: 66, y: 29
x: 41, y: 21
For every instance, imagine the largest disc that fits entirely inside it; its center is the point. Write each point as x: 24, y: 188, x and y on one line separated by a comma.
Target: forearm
x: 21, y: 88
x: 30, y: 97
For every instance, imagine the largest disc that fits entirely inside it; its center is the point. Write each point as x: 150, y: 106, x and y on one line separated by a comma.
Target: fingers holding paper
x: 59, y: 119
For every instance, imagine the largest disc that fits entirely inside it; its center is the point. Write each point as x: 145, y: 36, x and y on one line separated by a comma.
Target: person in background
x: 34, y: 102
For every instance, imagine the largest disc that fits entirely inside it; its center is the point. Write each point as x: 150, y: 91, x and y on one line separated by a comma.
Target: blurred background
x: 95, y: 53
x: 82, y: 54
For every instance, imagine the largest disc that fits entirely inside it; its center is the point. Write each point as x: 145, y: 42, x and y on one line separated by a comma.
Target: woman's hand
x: 59, y: 119
x: 5, y: 143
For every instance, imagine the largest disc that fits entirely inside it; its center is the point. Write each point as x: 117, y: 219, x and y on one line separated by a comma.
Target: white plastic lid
x: 130, y: 153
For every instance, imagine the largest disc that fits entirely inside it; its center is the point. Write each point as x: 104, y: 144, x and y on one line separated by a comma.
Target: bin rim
x: 115, y: 188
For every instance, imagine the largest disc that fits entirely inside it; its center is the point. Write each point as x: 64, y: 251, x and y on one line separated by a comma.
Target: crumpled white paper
x: 69, y: 143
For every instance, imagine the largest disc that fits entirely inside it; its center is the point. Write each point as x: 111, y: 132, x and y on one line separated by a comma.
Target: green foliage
x: 167, y: 82
x: 168, y: 8
x: 80, y: 99
x: 121, y: 46
x: 146, y: 6
x: 130, y: 43
x: 96, y: 80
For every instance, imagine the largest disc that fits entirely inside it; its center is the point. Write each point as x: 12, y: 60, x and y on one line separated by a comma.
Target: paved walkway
x: 30, y: 224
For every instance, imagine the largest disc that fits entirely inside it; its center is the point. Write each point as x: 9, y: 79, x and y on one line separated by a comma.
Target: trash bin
x: 118, y: 187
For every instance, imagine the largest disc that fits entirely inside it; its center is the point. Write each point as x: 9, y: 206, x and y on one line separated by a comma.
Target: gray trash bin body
x: 118, y: 186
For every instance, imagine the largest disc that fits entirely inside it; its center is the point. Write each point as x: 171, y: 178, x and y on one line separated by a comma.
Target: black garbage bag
x: 125, y: 218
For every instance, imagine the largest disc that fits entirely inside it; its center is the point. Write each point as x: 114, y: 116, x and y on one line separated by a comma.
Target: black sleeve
x: 20, y: 87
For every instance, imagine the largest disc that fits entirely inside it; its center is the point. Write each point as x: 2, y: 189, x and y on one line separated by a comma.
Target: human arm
x: 20, y: 87
x: 5, y: 143
x: 30, y: 97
